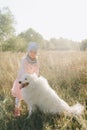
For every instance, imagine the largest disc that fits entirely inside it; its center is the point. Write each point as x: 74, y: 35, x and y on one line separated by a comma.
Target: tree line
x: 9, y: 41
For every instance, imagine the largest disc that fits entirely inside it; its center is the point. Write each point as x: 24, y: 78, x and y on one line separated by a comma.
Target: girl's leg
x: 17, y: 107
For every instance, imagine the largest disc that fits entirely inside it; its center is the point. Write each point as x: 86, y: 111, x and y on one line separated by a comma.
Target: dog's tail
x: 77, y: 109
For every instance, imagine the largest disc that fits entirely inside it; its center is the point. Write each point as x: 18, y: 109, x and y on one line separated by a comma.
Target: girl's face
x: 32, y: 54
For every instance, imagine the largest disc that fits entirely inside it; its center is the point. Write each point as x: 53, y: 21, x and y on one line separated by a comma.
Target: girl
x: 29, y: 64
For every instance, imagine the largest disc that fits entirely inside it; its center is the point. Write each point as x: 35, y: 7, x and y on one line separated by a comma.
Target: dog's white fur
x: 39, y: 94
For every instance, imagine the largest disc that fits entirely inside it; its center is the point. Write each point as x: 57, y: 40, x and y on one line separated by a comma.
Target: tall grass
x: 66, y: 73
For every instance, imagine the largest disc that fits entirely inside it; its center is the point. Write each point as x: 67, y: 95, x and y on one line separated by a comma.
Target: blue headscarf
x: 32, y: 47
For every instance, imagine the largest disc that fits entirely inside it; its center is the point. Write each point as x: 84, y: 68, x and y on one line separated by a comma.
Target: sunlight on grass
x: 67, y: 75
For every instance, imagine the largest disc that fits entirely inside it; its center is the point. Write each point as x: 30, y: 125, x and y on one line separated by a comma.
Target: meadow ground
x: 66, y: 73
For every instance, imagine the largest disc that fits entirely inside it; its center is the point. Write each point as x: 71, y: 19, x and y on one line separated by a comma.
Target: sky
x: 50, y: 18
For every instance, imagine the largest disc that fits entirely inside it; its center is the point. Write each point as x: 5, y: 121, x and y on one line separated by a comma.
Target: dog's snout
x: 19, y: 82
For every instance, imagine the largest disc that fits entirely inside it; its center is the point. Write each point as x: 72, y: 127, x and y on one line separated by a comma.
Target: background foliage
x: 9, y: 40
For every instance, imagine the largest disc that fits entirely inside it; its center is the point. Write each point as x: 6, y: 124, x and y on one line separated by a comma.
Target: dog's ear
x: 24, y: 77
x: 34, y: 76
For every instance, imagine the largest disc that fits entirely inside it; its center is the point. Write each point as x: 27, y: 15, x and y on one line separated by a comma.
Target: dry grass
x: 66, y: 73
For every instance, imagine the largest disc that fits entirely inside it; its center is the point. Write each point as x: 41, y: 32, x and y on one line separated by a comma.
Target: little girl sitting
x: 29, y: 64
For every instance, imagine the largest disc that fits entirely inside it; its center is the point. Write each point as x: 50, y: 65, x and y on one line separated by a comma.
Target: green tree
x: 83, y: 45
x: 6, y: 24
x: 31, y: 35
x: 15, y: 43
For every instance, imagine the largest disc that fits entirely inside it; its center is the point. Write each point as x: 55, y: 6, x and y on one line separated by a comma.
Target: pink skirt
x: 16, y: 92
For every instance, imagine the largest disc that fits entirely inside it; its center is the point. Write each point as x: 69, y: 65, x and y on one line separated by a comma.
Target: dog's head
x: 27, y: 79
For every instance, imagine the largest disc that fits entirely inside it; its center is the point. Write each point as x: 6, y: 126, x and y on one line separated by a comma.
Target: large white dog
x: 37, y: 93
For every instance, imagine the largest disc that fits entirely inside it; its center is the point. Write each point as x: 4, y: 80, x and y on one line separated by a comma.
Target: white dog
x: 37, y: 93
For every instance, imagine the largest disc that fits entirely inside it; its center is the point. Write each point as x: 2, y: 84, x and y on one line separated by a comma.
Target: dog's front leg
x: 30, y: 112
x: 31, y: 109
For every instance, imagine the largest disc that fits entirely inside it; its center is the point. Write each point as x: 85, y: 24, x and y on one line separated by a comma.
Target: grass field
x: 66, y: 73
